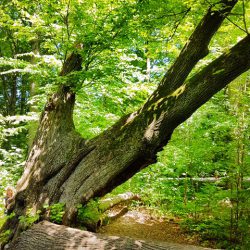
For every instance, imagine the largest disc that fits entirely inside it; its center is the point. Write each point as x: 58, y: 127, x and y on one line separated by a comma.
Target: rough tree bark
x: 63, y: 167
x: 58, y: 237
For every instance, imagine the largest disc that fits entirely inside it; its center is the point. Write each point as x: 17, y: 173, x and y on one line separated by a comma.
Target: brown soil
x: 140, y: 224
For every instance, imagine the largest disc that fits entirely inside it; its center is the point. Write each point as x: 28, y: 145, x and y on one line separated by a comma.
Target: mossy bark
x: 93, y: 216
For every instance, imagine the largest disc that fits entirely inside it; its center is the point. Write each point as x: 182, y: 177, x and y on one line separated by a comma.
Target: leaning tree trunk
x: 63, y: 167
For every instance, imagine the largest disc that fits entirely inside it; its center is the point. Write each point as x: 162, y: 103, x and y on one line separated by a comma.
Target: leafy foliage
x: 29, y: 219
x: 56, y: 212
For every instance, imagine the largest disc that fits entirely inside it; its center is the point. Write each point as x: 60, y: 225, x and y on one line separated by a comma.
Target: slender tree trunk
x: 23, y: 99
x: 33, y: 91
x: 63, y: 167
x: 148, y: 62
x: 10, y: 93
x: 13, y: 96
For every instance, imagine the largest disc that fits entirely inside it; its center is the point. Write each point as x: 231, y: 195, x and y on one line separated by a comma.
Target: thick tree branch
x: 195, y: 49
x: 244, y: 16
x: 72, y: 63
x: 171, y: 110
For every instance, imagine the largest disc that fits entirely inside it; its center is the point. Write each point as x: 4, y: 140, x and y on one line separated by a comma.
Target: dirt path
x: 139, y: 224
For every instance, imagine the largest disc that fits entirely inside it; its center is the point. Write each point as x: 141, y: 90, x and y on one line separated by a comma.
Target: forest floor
x: 141, y: 224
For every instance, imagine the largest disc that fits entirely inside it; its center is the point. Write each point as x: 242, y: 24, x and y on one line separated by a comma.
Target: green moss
x: 89, y: 212
x: 2, y: 220
x: 91, y: 215
x: 4, y: 236
x: 218, y: 72
x: 178, y: 91
x: 56, y: 212
x: 29, y: 219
